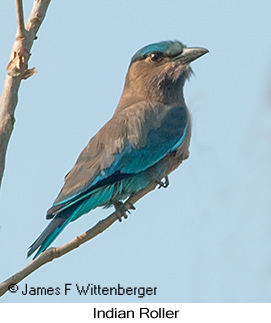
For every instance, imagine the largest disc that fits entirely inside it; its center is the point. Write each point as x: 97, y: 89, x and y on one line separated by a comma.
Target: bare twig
x: 17, y: 70
x: 20, y: 19
x: 53, y: 253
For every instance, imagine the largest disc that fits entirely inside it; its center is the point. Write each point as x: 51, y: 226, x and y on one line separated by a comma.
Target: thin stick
x: 20, y: 19
x: 53, y: 253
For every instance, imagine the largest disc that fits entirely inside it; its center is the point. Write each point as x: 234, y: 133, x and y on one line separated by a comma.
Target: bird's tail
x: 65, y: 216
x: 49, y: 234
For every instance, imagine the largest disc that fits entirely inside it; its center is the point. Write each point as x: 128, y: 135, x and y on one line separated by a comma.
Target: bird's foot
x: 163, y: 184
x: 121, y: 209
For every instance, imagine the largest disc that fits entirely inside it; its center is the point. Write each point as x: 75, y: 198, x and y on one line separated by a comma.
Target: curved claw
x: 163, y: 184
x: 121, y: 209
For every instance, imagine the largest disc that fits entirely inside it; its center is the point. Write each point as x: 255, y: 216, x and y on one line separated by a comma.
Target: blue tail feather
x: 49, y: 234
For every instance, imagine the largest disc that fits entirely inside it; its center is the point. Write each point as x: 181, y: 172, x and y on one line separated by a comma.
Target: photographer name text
x: 88, y: 289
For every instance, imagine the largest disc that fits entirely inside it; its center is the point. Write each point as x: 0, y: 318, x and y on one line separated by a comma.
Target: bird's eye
x: 156, y: 57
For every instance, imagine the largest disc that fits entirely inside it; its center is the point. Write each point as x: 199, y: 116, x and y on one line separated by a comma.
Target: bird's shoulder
x: 143, y: 118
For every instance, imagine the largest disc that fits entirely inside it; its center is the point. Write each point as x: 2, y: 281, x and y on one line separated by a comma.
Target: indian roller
x: 130, y: 152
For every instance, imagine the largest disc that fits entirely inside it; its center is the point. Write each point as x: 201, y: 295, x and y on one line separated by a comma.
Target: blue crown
x: 170, y: 48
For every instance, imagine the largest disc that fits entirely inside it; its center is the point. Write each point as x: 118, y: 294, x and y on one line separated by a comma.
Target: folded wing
x: 134, y: 139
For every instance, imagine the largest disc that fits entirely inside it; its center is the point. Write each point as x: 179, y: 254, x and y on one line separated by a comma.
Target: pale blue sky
x: 207, y: 238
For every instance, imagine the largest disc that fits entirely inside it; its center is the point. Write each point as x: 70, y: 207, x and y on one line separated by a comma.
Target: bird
x: 132, y: 150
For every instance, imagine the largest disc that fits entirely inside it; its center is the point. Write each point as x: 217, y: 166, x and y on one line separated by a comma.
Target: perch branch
x: 53, y: 253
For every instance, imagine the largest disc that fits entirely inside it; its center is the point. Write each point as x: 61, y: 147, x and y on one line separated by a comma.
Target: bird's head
x: 158, y: 72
